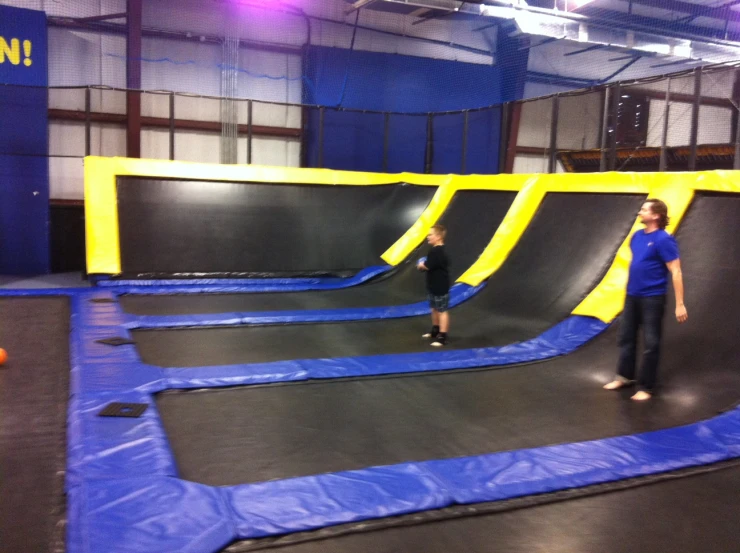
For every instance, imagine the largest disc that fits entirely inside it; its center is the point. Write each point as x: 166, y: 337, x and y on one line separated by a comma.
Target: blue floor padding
x: 243, y: 285
x: 124, y: 494
x: 40, y: 292
x: 458, y: 294
x: 160, y: 513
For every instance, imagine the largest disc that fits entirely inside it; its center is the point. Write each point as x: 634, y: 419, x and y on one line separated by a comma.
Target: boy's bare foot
x: 617, y: 383
x: 642, y: 396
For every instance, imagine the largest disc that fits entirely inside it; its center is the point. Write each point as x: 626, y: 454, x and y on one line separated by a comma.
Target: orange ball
x: 3, y: 356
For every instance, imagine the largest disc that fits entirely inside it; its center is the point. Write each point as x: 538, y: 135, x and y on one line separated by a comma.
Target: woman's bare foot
x: 642, y: 396
x: 616, y: 384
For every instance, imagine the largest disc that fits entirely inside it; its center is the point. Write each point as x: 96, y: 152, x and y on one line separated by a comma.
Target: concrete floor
x: 59, y: 280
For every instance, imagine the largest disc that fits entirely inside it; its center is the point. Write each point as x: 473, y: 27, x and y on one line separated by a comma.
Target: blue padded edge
x: 313, y: 502
x: 148, y: 514
x: 156, y: 513
x: 103, y: 373
x: 38, y: 292
x: 99, y: 367
x: 458, y: 294
x: 115, y: 447
x: 561, y: 339
x: 113, y: 507
x: 244, y: 285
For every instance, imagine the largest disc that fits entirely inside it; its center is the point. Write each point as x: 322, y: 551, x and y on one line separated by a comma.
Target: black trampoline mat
x: 562, y: 255
x: 471, y: 220
x: 172, y: 226
x: 251, y: 434
x: 34, y: 387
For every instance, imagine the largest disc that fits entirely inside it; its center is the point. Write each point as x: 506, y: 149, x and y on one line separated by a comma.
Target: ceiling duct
x: 571, y: 27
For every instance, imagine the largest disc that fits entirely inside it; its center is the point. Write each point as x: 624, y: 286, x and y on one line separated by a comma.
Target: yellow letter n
x: 13, y: 52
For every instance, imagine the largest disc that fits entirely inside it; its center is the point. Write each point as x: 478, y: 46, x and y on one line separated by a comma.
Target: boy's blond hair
x: 440, y: 230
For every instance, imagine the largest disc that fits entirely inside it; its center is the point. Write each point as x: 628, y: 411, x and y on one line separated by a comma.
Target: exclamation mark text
x: 27, y: 52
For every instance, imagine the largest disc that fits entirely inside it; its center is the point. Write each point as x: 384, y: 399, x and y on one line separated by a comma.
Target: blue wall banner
x: 24, y: 147
x: 22, y: 47
x: 412, y: 86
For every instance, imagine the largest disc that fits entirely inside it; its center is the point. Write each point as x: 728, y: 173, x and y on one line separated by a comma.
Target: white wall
x: 530, y: 163
x: 534, y: 124
x: 87, y: 58
x: 715, y: 84
x: 70, y: 8
x: 180, y: 66
x: 537, y: 89
x: 68, y: 139
x: 579, y: 118
x: 578, y: 123
x: 715, y: 124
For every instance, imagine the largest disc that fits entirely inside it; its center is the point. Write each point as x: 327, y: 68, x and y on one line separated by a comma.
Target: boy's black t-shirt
x: 438, y: 276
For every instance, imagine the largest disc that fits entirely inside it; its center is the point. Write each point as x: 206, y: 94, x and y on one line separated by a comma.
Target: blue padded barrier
x: 458, y: 294
x: 312, y: 502
x: 156, y: 513
x: 147, y: 514
x: 235, y: 285
x: 559, y: 340
x: 115, y: 447
x: 40, y: 292
x: 124, y: 494
x: 108, y: 368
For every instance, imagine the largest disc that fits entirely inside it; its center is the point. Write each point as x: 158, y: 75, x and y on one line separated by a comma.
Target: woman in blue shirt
x: 654, y: 257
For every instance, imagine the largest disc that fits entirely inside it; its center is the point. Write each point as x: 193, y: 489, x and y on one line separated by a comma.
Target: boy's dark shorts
x: 440, y: 303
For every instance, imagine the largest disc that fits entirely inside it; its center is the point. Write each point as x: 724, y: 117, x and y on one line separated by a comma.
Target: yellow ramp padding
x: 532, y: 192
x: 416, y: 233
x: 606, y: 301
x: 507, y: 235
x: 101, y: 217
x: 444, y: 195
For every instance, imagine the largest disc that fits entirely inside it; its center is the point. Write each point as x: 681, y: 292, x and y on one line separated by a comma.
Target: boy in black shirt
x: 438, y: 285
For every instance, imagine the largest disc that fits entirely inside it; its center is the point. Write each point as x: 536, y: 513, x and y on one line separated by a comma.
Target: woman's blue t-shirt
x: 648, y: 272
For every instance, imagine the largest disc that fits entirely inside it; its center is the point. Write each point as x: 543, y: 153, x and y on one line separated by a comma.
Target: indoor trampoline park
x: 374, y: 276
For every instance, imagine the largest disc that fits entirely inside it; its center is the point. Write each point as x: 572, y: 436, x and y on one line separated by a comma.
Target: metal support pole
x: 464, y: 142
x: 553, y: 134
x: 663, y: 166
x: 320, y: 163
x: 604, y: 130
x: 429, y: 153
x: 503, y: 141
x: 249, y: 132
x: 172, y: 126
x: 616, y: 99
x: 695, y: 119
x: 736, y: 161
x: 512, y: 136
x: 735, y: 121
x: 386, y: 139
x: 133, y: 77
x: 305, y: 115
x: 88, y: 119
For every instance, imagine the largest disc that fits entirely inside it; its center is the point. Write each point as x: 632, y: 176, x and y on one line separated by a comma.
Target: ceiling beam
x: 107, y: 17
x: 584, y: 50
x: 715, y: 12
x: 420, y: 12
x: 659, y: 26
x: 359, y: 4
